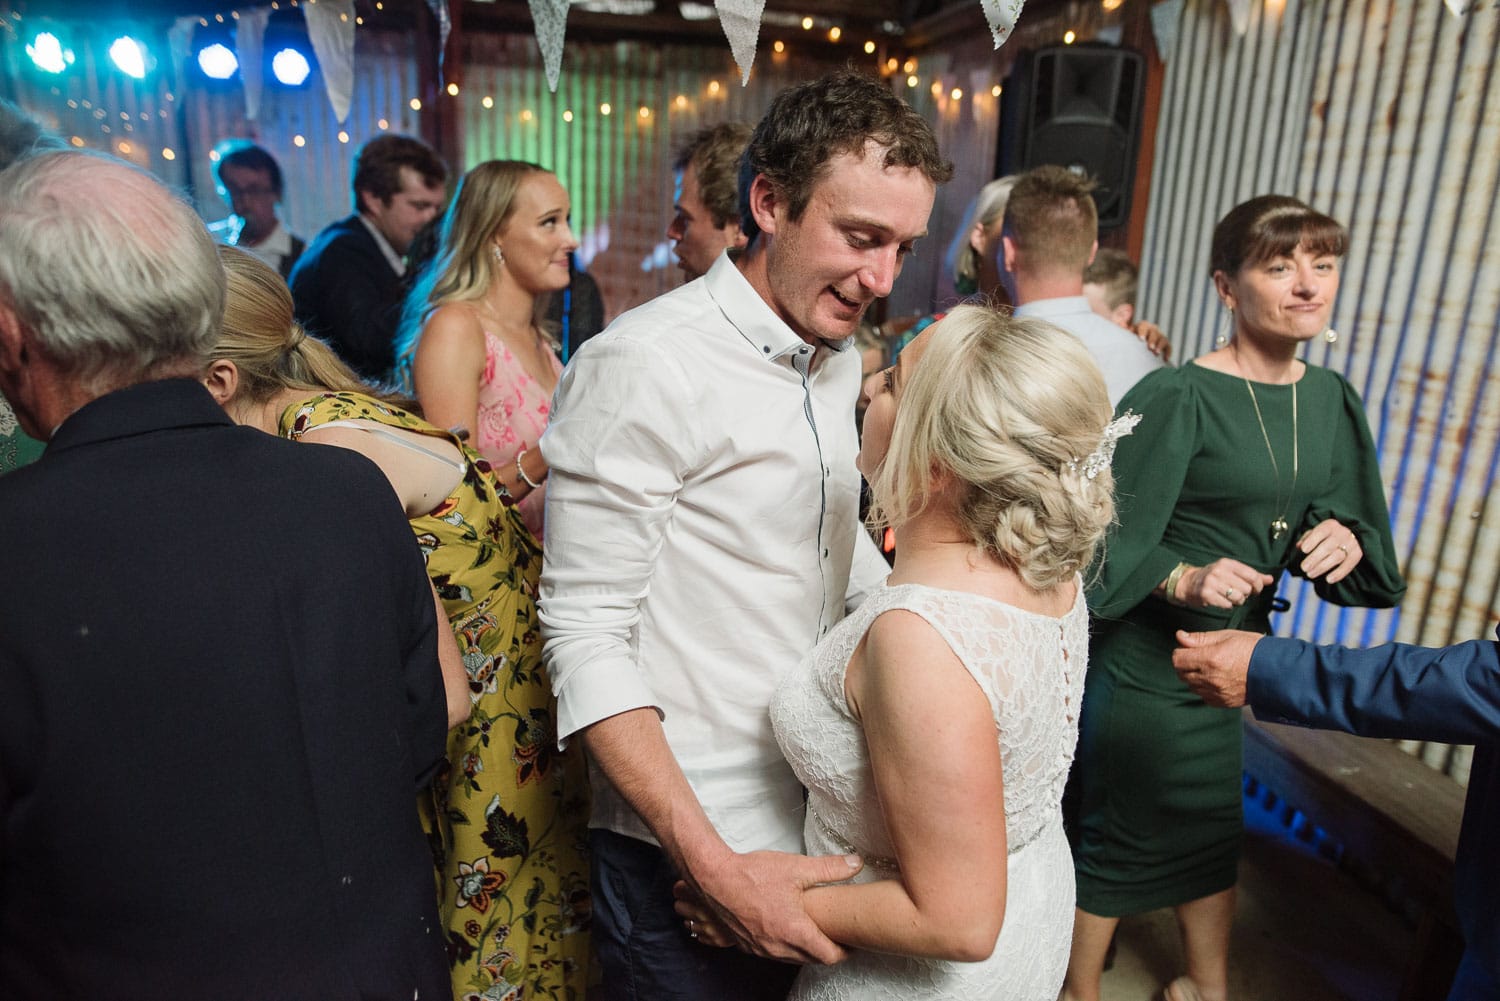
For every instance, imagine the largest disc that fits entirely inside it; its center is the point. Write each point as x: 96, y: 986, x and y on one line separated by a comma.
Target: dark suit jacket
x: 218, y: 693
x: 346, y: 293
x: 1449, y: 694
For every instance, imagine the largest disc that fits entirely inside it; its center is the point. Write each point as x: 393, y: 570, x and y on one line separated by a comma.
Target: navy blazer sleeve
x: 1449, y: 694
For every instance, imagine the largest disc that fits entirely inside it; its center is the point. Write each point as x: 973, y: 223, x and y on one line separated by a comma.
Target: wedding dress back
x: 1031, y: 669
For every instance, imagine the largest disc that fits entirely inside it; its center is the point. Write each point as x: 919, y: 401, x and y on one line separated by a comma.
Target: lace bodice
x: 1031, y: 669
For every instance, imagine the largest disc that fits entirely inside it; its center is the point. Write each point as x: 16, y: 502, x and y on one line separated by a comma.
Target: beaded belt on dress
x: 888, y: 864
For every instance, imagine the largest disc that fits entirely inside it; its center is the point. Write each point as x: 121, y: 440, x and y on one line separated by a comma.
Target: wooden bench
x: 1389, y: 810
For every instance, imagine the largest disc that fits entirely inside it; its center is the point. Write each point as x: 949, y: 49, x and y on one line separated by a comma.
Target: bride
x: 934, y: 727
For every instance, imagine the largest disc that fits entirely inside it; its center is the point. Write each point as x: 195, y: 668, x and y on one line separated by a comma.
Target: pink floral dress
x: 513, y: 412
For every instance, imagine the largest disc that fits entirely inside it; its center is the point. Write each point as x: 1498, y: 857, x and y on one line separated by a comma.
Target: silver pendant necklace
x: 1279, y: 526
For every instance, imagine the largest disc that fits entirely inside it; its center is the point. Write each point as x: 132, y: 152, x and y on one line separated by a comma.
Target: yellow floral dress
x: 507, y: 816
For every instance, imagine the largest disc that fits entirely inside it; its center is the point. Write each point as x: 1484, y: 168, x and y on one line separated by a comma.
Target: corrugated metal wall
x: 1386, y: 114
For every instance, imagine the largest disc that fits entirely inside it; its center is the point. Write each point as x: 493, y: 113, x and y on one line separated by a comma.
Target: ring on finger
x: 1344, y: 550
x: 1229, y: 593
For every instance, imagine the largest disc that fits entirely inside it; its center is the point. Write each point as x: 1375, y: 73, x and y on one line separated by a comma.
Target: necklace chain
x: 1279, y: 526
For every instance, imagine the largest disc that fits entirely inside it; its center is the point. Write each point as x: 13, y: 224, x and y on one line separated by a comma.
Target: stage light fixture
x: 49, y: 53
x: 290, y: 67
x: 218, y: 61
x: 129, y: 56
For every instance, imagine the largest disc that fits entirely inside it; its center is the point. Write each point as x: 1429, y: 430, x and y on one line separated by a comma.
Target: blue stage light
x: 129, y: 55
x: 48, y: 52
x: 290, y: 67
x: 217, y: 61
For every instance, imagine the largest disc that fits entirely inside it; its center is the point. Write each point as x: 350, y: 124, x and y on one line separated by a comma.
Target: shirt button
x: 825, y: 554
x: 766, y: 348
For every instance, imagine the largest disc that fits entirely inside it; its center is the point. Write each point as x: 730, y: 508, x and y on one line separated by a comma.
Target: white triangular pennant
x: 440, y: 11
x: 1165, y: 17
x: 740, y: 20
x: 1239, y: 15
x: 180, y: 44
x: 249, y: 39
x: 1002, y: 16
x: 330, y: 28
x: 551, y: 20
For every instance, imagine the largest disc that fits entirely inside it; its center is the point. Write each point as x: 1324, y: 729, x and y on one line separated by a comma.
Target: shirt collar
x: 752, y: 316
x: 1062, y: 306
x: 395, y: 260
x: 139, y: 409
x: 278, y: 242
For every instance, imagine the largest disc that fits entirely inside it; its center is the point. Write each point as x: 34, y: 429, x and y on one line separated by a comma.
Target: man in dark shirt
x: 349, y: 284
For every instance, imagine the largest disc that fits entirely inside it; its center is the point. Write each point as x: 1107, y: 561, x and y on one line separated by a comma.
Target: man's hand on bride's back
x: 754, y: 900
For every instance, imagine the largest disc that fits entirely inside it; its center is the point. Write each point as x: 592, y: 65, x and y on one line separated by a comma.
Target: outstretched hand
x: 1214, y: 665
x: 754, y: 900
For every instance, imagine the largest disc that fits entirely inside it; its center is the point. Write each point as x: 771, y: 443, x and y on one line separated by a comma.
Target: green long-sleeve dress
x: 1154, y: 798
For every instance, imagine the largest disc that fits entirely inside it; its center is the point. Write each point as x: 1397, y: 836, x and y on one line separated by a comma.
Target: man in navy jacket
x: 1449, y: 694
x: 219, y: 689
x: 349, y: 285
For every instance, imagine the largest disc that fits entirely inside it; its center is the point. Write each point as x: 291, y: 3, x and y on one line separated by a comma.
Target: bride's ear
x: 222, y: 379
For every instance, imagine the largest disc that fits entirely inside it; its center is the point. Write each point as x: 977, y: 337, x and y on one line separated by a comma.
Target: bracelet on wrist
x: 1169, y: 588
x: 521, y: 472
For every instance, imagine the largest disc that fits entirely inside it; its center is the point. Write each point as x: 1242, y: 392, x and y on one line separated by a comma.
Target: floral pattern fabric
x: 507, y: 815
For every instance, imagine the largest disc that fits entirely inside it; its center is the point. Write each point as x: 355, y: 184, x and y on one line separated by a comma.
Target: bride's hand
x: 699, y: 922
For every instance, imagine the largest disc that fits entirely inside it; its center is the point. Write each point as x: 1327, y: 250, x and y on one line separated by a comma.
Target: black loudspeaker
x: 1078, y: 106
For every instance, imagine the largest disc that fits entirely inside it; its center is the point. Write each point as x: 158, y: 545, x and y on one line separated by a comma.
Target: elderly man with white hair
x: 209, y: 741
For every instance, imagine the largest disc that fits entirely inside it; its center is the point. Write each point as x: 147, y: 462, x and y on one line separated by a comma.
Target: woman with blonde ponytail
x: 507, y: 815
x: 934, y: 727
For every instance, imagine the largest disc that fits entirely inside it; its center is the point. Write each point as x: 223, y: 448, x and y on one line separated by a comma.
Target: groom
x: 703, y: 533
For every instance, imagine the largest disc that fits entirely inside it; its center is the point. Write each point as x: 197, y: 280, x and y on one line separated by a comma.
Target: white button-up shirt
x: 702, y: 521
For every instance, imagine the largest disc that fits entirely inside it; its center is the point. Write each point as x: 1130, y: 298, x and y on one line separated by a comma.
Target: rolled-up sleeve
x: 623, y: 433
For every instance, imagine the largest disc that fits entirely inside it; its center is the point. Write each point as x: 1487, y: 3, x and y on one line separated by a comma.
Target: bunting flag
x: 439, y: 10
x: 330, y: 28
x: 180, y: 45
x: 551, y: 20
x: 249, y: 38
x: 740, y: 20
x: 1002, y: 16
x: 1239, y: 16
x: 1165, y: 17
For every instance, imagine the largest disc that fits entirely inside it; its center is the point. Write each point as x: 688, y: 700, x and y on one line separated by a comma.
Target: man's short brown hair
x: 377, y: 166
x: 714, y: 154
x: 810, y: 124
x: 1052, y: 220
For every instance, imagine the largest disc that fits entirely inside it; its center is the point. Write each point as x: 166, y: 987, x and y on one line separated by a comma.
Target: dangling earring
x: 499, y: 255
x: 1223, y: 338
x: 1331, y: 336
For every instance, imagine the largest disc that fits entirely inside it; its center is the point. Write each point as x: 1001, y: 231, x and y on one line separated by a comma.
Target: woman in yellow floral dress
x: 507, y: 818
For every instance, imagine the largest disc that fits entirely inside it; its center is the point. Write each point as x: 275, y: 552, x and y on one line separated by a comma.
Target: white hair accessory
x: 1099, y: 459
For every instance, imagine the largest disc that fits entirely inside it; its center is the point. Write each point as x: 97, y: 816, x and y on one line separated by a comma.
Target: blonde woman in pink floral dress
x: 472, y: 347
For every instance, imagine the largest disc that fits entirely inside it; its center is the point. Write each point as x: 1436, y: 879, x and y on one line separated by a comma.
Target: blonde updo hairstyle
x: 1009, y: 408
x: 268, y: 346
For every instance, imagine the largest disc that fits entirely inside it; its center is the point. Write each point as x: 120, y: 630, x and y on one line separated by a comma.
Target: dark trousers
x: 641, y: 944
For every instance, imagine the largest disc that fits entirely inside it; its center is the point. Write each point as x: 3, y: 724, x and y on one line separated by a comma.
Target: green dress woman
x: 1247, y: 463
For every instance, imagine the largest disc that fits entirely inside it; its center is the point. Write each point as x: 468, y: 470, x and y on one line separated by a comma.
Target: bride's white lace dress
x: 1031, y: 669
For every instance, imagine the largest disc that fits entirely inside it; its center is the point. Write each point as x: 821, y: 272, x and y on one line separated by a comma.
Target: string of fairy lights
x: 79, y: 117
